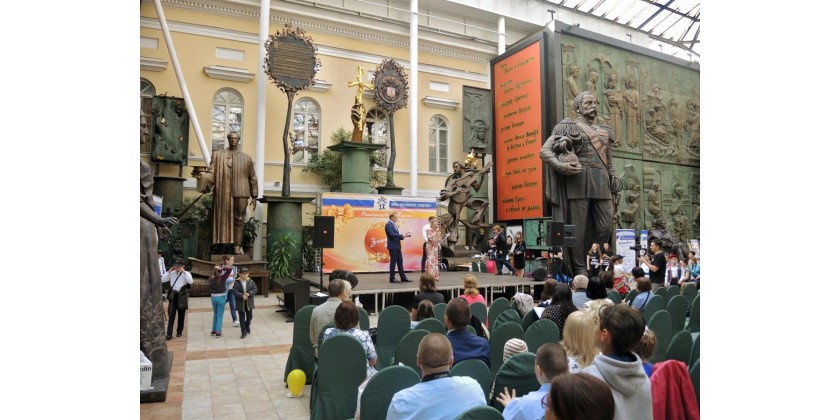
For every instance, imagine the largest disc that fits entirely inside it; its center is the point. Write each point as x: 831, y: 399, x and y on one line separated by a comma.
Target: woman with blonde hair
x: 578, y: 340
x: 471, y: 294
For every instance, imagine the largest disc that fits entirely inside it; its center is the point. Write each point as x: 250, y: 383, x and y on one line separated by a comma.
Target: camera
x: 640, y: 249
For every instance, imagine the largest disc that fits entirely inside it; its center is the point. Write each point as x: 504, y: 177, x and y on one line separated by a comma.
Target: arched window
x: 147, y: 91
x: 376, y: 124
x: 438, y: 144
x: 306, y: 135
x: 227, y: 117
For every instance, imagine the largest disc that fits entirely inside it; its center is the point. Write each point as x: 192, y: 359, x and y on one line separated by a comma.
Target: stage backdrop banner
x: 360, y: 241
x: 624, y: 239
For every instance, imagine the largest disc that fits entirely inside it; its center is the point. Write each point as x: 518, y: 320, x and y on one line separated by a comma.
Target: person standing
x: 395, y: 247
x: 519, y: 254
x: 233, y: 180
x: 594, y: 260
x: 218, y: 293
x: 425, y: 239
x: 432, y: 247
x: 244, y: 290
x: 179, y: 283
x: 657, y: 267
x: 229, y: 298
x: 500, y: 244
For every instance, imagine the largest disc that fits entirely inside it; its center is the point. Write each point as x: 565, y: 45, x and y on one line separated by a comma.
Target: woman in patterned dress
x: 433, y: 235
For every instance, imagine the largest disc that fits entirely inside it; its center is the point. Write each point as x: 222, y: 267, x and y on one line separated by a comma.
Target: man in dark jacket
x: 244, y: 289
x: 465, y: 345
x: 178, y: 296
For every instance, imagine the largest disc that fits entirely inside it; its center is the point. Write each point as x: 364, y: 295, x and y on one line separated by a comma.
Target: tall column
x: 265, y: 14
x: 413, y: 96
x: 501, y: 31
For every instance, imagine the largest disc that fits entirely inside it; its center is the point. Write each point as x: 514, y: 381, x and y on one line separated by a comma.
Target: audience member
x: 550, y: 363
x: 595, y: 287
x: 643, y: 286
x: 561, y: 306
x: 471, y: 293
x: 673, y: 271
x: 324, y: 313
x: 620, y: 276
x: 465, y: 345
x: 346, y: 320
x: 425, y: 310
x: 578, y: 342
x: 438, y: 395
x: 547, y: 293
x: 428, y: 290
x: 579, y: 285
x: 579, y: 397
x: 636, y: 274
x: 512, y: 347
x: 620, y: 330
x: 560, y: 269
x: 645, y: 349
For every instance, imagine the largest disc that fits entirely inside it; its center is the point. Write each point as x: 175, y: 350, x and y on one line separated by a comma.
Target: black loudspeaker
x: 557, y: 229
x: 539, y: 274
x: 345, y: 275
x: 569, y: 235
x: 324, y: 234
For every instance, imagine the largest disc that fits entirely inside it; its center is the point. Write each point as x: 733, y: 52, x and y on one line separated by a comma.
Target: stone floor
x: 228, y: 377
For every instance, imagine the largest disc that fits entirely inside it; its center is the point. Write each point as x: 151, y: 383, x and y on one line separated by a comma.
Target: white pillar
x: 181, y: 82
x: 259, y: 162
x: 501, y: 31
x: 414, y: 94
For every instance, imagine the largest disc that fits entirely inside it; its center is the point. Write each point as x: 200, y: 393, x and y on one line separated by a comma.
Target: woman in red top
x: 619, y: 276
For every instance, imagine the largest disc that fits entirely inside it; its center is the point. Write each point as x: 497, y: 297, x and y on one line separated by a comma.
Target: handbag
x: 171, y: 294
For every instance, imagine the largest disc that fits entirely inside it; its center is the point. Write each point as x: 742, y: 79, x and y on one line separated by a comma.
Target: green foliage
x: 249, y: 234
x: 199, y: 213
x: 280, y: 258
x: 327, y: 165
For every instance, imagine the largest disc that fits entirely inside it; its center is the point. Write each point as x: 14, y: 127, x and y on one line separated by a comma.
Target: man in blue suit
x: 395, y: 247
x: 465, y: 345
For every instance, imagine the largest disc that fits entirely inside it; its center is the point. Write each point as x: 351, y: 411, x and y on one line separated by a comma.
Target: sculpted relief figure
x: 654, y: 125
x: 572, y: 90
x: 152, y: 327
x: 232, y: 178
x: 681, y: 224
x: 675, y: 118
x: 630, y: 215
x: 631, y: 102
x: 581, y: 193
x: 692, y: 125
x: 654, y: 208
x: 615, y: 107
x: 457, y: 190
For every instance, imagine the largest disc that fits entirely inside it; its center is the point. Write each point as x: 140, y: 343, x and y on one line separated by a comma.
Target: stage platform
x: 451, y: 283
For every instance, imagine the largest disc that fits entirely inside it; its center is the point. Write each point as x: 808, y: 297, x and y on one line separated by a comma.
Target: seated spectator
x: 324, y: 313
x: 579, y: 285
x: 635, y: 274
x: 346, y: 320
x: 465, y: 345
x: 550, y: 363
x: 595, y: 307
x: 547, y: 293
x: 471, y: 294
x: 595, y: 289
x: 561, y: 306
x: 428, y: 290
x: 425, y: 310
x: 513, y: 347
x: 620, y: 330
x: 643, y: 285
x: 578, y: 342
x: 438, y: 395
x: 579, y: 397
x: 645, y: 349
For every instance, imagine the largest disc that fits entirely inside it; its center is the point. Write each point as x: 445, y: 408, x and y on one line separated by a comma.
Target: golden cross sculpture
x: 360, y: 84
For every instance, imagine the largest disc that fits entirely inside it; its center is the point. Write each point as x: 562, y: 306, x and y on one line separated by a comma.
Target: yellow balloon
x: 296, y: 381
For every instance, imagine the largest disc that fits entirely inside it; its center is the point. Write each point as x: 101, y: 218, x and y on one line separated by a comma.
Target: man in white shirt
x: 425, y: 239
x: 179, y: 283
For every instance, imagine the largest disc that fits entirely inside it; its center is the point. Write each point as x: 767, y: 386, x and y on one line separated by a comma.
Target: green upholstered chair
x: 394, y: 323
x: 541, y: 332
x: 694, y: 373
x: 680, y: 347
x: 476, y: 369
x: 694, y: 316
x: 479, y: 310
x: 481, y: 412
x: 498, y: 339
x: 689, y: 293
x: 498, y: 306
x: 677, y: 307
x: 672, y: 291
x: 695, y: 349
x: 510, y: 315
x: 431, y: 325
x: 529, y: 318
x: 660, y: 323
x: 302, y: 354
x: 341, y: 369
x: 661, y: 291
x: 655, y: 304
x: 631, y: 295
x: 440, y: 311
x: 406, y: 351
x: 516, y: 374
x: 614, y: 296
x: 364, y: 320
x: 376, y: 398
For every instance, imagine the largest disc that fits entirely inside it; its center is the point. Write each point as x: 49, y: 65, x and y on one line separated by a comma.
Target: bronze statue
x: 572, y: 90
x: 631, y: 100
x: 478, y: 140
x: 358, y: 111
x: 582, y: 194
x: 233, y: 180
x: 669, y: 245
x: 152, y: 331
x: 457, y: 191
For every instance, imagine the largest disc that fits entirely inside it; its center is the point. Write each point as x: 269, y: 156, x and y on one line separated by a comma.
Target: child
x: 645, y: 349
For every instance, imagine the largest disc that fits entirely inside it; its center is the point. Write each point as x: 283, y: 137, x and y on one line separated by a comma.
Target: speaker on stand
x: 323, y: 237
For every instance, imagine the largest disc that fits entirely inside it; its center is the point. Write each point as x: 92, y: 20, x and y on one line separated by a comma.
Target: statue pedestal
x: 171, y: 188
x: 160, y: 383
x: 390, y: 190
x: 355, y: 165
x: 284, y: 217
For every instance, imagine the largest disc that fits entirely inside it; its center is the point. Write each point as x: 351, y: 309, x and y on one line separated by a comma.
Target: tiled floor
x: 229, y: 377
